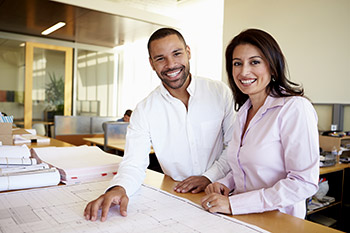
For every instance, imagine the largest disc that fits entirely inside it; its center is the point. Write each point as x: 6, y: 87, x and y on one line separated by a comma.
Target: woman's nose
x: 245, y: 70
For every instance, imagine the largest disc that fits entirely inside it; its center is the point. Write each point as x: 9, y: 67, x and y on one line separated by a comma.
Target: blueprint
x: 60, y: 209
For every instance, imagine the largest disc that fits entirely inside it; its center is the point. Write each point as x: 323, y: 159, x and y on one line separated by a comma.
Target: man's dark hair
x: 128, y: 112
x: 161, y: 33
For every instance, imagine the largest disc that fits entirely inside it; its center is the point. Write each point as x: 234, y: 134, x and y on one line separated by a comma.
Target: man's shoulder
x: 151, y: 97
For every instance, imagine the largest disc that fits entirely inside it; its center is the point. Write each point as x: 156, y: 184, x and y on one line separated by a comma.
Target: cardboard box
x: 6, y: 139
x: 5, y: 128
x: 328, y: 142
x: 6, y: 133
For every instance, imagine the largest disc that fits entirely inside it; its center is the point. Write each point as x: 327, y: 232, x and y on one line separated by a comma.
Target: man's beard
x: 174, y: 84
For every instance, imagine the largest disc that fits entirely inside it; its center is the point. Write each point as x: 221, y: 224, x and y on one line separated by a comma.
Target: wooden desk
x: 273, y: 221
x: 53, y: 142
x: 119, y: 145
x: 116, y: 144
x: 337, y: 167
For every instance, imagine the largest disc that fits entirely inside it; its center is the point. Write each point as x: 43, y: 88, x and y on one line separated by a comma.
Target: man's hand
x: 114, y: 196
x: 195, y: 184
x: 217, y: 188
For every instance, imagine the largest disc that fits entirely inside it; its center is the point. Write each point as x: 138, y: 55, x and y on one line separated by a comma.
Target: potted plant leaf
x: 54, y: 91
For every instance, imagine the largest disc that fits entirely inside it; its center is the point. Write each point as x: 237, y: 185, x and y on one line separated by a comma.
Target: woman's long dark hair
x: 279, y: 85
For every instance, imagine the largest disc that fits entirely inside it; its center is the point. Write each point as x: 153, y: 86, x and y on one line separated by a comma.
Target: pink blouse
x: 276, y: 164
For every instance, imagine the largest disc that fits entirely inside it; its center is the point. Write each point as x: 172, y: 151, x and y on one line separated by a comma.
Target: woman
x: 274, y: 152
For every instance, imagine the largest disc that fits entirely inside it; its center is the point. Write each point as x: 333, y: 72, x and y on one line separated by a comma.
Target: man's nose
x: 170, y: 62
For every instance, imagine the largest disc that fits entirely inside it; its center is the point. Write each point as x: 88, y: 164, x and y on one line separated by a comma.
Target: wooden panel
x: 68, y: 82
x: 28, y: 86
x: 31, y: 17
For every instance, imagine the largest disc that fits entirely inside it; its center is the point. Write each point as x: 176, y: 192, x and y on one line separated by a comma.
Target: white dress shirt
x: 276, y: 164
x: 186, y: 142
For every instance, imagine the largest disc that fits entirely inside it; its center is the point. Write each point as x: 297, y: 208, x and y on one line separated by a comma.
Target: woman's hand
x: 217, y: 188
x: 215, y: 202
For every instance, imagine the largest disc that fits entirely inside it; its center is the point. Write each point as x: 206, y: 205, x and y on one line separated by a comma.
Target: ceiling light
x: 53, y: 28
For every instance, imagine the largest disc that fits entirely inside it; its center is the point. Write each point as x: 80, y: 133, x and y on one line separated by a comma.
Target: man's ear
x: 188, y: 51
x: 151, y: 62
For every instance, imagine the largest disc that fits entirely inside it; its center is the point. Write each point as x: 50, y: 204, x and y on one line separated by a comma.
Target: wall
x: 313, y: 34
x: 201, y: 22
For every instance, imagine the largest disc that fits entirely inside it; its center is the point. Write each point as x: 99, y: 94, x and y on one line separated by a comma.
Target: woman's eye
x: 255, y: 62
x: 236, y: 63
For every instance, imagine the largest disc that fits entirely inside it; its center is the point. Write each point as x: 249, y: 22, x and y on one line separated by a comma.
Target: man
x: 126, y: 117
x: 187, y: 120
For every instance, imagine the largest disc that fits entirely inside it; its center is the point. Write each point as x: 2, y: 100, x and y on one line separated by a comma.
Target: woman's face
x: 250, y: 71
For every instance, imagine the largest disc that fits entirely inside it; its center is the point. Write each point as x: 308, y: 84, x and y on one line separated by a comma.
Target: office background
x: 108, y: 79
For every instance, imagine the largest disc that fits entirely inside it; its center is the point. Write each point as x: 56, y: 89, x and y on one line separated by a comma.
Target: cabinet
x: 338, y: 180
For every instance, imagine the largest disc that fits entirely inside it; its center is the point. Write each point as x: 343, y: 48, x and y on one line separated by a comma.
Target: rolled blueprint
x: 16, y: 169
x: 14, y: 151
x: 5, y: 161
x: 31, y: 179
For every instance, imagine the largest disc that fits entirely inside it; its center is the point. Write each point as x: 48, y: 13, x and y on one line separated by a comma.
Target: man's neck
x: 182, y: 93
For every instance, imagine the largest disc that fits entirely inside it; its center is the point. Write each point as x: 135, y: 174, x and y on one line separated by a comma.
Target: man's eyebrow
x: 178, y: 50
x: 174, y: 51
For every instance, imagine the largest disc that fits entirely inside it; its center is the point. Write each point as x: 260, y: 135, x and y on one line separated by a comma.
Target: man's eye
x: 177, y: 54
x: 159, y: 59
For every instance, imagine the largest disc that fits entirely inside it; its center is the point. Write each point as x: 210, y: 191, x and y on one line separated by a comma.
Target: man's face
x: 126, y: 118
x: 169, y: 58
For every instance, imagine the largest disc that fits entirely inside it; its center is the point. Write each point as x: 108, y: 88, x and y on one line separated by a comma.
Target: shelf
x: 323, y: 207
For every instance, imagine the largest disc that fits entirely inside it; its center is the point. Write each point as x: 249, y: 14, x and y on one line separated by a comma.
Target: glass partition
x: 48, y: 84
x: 12, y: 79
x: 96, y: 84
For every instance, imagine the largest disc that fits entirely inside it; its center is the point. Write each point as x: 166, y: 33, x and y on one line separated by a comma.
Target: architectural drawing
x: 60, y: 209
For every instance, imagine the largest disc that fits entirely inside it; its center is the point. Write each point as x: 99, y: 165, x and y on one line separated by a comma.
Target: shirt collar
x: 270, y: 102
x: 190, y: 89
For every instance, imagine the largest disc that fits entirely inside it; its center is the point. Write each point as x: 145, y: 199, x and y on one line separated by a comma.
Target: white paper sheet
x: 29, y: 180
x: 60, y: 209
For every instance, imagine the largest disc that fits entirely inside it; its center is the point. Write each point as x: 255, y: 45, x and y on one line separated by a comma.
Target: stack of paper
x: 29, y: 138
x: 79, y: 164
x: 19, y: 171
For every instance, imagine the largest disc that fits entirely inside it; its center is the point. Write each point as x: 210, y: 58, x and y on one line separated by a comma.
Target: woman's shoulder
x: 297, y: 100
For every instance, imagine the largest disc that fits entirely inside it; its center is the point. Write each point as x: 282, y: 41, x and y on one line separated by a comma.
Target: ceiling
x: 31, y: 17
